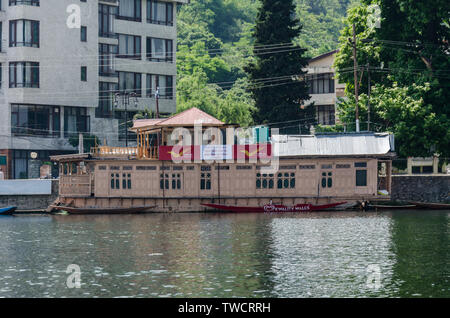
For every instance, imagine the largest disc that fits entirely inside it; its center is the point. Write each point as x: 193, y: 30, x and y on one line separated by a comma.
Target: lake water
x: 340, y: 254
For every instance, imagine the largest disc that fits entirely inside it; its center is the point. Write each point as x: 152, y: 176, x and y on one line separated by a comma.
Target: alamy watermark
x: 74, y: 278
x: 373, y: 277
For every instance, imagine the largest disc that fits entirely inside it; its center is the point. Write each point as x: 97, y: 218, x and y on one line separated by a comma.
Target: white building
x: 324, y: 87
x: 59, y: 79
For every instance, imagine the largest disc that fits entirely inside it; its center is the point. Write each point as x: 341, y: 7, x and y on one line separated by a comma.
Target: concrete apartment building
x: 324, y: 87
x: 59, y: 79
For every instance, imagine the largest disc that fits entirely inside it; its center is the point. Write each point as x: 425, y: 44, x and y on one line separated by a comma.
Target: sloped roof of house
x: 188, y: 118
x: 344, y: 144
x: 321, y: 56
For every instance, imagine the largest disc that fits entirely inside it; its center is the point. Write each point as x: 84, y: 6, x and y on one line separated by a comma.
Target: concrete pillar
x: 409, y: 165
x: 435, y: 164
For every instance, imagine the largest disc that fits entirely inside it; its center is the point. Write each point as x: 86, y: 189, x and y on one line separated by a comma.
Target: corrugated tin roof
x: 351, y: 144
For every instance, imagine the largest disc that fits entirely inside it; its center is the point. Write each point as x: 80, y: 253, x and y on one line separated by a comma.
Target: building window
x: 23, y: 74
x: 105, y: 100
x: 361, y: 174
x: 361, y: 178
x: 321, y: 83
x: 264, y: 181
x: 126, y: 180
x: 286, y: 180
x: 307, y: 167
x: 84, y: 74
x: 24, y: 2
x: 76, y: 120
x: 83, y: 32
x: 159, y: 50
x: 176, y: 181
x: 130, y: 10
x: 106, y: 16
x: 327, y: 179
x: 325, y: 114
x: 159, y: 12
x: 164, y: 181
x: 130, y: 82
x: 205, y: 181
x: 115, y: 181
x: 163, y: 82
x: 35, y: 120
x: 129, y: 46
x: 24, y: 33
x: 107, y: 53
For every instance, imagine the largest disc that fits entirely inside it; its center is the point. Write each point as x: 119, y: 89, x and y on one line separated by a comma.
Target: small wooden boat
x: 96, y: 210
x: 8, y: 210
x: 432, y: 206
x: 273, y: 208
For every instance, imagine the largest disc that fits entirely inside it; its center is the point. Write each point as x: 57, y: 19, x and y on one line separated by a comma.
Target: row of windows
x: 158, y: 12
x: 24, y: 2
x: 161, y: 84
x: 158, y: 49
x: 240, y: 167
x: 115, y: 181
x: 284, y: 180
x: 44, y: 120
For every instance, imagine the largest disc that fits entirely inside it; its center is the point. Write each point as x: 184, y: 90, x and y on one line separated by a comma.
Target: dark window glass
x: 24, y: 33
x: 361, y: 178
x: 24, y: 74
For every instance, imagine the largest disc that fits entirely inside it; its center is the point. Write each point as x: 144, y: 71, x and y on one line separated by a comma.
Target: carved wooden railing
x: 107, y: 151
x: 148, y: 153
x: 75, y: 185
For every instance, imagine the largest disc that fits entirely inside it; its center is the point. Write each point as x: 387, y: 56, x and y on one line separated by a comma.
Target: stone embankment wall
x: 31, y: 202
x: 429, y: 188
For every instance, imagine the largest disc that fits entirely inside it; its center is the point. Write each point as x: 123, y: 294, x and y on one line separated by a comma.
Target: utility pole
x: 355, y: 72
x: 157, y: 104
x: 126, y: 102
x: 368, y: 96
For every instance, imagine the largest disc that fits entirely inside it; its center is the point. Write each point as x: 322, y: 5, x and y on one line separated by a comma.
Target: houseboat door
x: 326, y: 180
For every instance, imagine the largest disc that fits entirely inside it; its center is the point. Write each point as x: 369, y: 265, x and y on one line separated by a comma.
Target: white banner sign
x: 217, y: 152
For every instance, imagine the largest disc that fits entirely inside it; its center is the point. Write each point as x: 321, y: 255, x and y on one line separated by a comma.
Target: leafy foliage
x: 409, y: 61
x: 278, y: 102
x: 215, y: 41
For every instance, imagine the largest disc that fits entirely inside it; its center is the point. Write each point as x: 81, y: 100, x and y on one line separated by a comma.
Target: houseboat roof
x: 187, y: 118
x: 342, y: 144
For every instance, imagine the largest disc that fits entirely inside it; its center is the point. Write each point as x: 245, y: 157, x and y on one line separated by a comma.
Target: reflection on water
x: 227, y: 255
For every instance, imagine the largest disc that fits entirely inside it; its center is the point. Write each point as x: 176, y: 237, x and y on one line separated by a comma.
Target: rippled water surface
x: 389, y: 254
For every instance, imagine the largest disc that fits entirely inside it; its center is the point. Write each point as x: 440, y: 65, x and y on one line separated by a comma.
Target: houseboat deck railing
x: 75, y: 185
x: 107, y: 151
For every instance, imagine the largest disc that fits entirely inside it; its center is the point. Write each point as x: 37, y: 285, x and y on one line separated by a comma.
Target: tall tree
x: 281, y: 98
x: 410, y: 49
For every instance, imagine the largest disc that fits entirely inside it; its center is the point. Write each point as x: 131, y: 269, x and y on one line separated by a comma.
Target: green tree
x: 402, y: 111
x: 230, y: 106
x: 281, y: 100
x: 410, y: 49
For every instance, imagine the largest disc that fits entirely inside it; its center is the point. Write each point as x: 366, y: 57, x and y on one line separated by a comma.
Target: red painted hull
x: 274, y: 208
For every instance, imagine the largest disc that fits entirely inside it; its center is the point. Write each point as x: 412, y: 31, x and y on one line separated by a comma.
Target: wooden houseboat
x: 191, y: 160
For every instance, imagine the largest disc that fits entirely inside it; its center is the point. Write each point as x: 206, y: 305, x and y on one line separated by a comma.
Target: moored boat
x: 8, y: 210
x: 433, y: 206
x: 273, y: 208
x: 97, y: 210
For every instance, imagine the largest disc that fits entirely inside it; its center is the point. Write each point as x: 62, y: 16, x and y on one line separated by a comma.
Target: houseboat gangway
x: 191, y: 160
